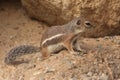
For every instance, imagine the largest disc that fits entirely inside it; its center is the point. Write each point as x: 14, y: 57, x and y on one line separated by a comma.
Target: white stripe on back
x: 51, y: 38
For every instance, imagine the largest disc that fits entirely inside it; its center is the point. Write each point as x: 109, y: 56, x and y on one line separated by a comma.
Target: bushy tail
x: 19, y: 51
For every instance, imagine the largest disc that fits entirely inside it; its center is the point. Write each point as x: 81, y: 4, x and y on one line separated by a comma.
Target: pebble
x: 12, y: 37
x: 36, y: 73
x: 73, y: 78
x: 48, y: 70
x: 104, y: 77
x: 89, y: 74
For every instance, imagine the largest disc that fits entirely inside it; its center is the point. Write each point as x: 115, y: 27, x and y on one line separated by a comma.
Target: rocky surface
x: 101, y: 62
x: 104, y: 13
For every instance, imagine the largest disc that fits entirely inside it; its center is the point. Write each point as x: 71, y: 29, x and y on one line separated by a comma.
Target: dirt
x: 101, y: 62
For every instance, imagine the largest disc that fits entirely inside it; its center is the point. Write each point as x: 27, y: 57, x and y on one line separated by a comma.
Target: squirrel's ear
x: 78, y: 22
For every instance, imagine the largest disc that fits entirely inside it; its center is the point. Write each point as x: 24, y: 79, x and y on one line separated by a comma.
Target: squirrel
x: 53, y: 40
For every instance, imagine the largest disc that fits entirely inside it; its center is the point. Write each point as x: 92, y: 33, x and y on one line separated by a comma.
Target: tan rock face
x: 105, y: 14
x: 52, y: 11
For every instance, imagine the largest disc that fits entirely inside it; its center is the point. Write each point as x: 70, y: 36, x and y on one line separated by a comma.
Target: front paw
x: 81, y: 52
x: 74, y: 53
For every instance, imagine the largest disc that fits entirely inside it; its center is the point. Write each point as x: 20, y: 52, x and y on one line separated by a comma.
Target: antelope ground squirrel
x: 53, y: 40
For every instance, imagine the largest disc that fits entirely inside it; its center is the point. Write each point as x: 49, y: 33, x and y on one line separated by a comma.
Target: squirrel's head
x: 81, y: 25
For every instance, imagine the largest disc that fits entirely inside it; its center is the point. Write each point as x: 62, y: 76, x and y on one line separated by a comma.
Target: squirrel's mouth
x: 78, y: 31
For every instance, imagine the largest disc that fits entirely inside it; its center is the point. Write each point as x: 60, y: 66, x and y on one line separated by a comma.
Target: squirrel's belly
x: 55, y: 48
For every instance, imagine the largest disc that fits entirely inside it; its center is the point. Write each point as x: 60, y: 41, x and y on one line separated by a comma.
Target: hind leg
x: 58, y: 49
x: 45, y: 53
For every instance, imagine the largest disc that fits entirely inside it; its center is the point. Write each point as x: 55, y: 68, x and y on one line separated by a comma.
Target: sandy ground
x: 102, y: 61
x: 16, y: 28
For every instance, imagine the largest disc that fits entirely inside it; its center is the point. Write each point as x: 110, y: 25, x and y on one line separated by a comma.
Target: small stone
x: 31, y: 66
x: 42, y: 79
x: 99, y: 46
x: 36, y: 73
x: 32, y: 78
x: 16, y: 28
x: 48, y: 70
x: 21, y: 77
x: 12, y: 37
x: 73, y: 78
x: 106, y: 37
x: 89, y: 74
x: 97, y: 40
x: 103, y: 77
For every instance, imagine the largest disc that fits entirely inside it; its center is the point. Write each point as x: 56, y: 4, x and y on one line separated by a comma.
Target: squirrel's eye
x: 88, y: 24
x: 78, y: 22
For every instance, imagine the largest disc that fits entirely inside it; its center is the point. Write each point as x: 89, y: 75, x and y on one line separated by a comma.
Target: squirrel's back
x: 19, y: 51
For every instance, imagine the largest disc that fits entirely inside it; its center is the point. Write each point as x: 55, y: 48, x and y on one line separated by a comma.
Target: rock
x: 73, y: 78
x: 12, y: 37
x: 89, y: 74
x: 51, y: 12
x: 103, y: 77
x: 104, y: 14
x: 49, y: 69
